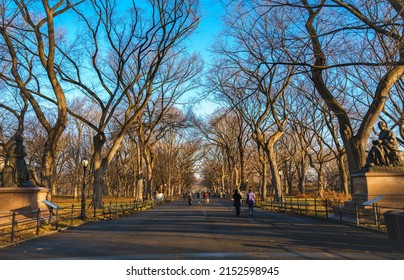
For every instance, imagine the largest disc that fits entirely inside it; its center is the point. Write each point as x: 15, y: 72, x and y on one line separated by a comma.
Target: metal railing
x: 18, y: 226
x: 369, y: 216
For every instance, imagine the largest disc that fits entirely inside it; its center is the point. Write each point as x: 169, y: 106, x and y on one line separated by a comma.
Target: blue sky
x: 209, y: 27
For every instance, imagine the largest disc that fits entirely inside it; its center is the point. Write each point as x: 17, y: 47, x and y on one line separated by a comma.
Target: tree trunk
x: 320, y: 178
x: 343, y: 173
x: 276, y: 180
x: 222, y: 180
x: 139, y: 186
x: 149, y: 174
x: 98, y: 142
x: 139, y: 182
x: 264, y: 179
x: 301, y: 171
x: 48, y: 163
x: 236, y: 176
x: 355, y: 145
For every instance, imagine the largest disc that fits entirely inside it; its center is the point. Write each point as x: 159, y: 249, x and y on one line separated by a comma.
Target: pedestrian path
x: 209, y: 231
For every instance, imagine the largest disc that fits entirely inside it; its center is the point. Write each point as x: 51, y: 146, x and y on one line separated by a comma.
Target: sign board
x: 374, y: 200
x: 51, y: 204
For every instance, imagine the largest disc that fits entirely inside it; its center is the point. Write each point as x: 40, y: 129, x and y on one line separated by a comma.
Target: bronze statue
x: 15, y: 171
x: 385, y: 149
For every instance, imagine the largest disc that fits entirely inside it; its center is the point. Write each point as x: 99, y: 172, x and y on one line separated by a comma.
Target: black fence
x: 17, y: 226
x: 353, y: 212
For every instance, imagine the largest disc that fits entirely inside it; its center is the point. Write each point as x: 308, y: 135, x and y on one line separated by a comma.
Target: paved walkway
x: 178, y: 231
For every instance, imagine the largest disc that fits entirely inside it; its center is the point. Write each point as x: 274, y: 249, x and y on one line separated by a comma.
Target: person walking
x: 206, y: 197
x: 251, y: 201
x: 190, y: 199
x: 237, y: 202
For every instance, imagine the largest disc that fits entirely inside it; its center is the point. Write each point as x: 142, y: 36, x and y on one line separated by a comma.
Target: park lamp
x: 84, y: 163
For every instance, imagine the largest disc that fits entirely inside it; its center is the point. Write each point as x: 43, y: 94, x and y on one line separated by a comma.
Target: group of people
x: 205, y: 196
x: 250, y: 201
x: 237, y: 200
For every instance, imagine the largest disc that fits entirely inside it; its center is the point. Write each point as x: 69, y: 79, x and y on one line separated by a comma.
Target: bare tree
x: 245, y: 75
x: 30, y: 37
x: 380, y: 24
x: 122, y: 70
x: 177, y: 154
x: 220, y: 132
x: 335, y: 42
x: 176, y: 78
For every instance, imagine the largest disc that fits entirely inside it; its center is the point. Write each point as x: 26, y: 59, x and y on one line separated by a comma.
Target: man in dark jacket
x: 237, y: 201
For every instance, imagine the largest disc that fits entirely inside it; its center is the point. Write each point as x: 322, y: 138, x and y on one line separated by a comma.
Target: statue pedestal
x: 22, y: 200
x: 369, y: 185
x: 383, y: 187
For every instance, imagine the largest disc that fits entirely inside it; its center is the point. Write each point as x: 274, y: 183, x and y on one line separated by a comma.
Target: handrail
x: 17, y: 226
x: 371, y: 215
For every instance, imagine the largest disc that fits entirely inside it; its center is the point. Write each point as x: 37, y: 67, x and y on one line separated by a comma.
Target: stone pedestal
x: 370, y: 185
x: 384, y: 187
x: 22, y: 200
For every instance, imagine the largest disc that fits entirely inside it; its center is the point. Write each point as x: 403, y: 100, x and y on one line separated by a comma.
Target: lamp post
x: 84, y: 163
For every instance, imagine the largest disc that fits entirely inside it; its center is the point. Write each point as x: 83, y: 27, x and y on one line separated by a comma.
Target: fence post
x: 291, y: 205
x: 326, y: 208
x: 50, y: 216
x: 57, y: 219
x: 357, y: 214
x: 340, y: 210
x: 375, y: 214
x: 37, y: 221
x: 72, y: 215
x: 307, y: 206
x: 315, y: 206
x: 298, y: 207
x: 378, y: 217
x: 13, y: 224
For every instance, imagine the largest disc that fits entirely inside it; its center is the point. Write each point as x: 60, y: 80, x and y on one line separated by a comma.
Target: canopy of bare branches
x: 299, y: 87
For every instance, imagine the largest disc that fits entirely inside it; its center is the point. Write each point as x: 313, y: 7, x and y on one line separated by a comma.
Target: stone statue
x: 15, y: 171
x: 385, y: 149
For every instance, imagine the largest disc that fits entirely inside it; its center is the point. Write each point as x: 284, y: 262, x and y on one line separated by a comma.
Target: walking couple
x: 250, y: 202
